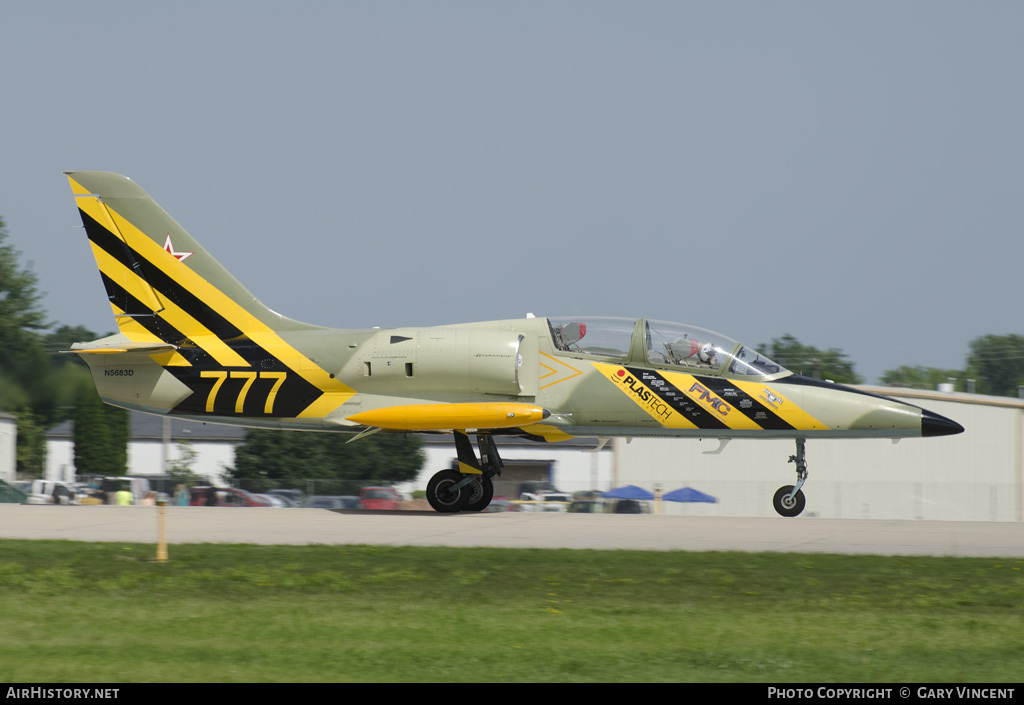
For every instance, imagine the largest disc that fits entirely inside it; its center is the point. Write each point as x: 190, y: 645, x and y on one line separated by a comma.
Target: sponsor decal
x: 641, y: 394
x: 705, y: 395
x: 772, y: 399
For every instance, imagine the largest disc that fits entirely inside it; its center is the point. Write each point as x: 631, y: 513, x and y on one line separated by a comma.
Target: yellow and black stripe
x: 685, y: 401
x: 225, y: 354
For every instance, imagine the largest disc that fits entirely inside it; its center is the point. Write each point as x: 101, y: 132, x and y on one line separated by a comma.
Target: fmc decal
x: 707, y: 397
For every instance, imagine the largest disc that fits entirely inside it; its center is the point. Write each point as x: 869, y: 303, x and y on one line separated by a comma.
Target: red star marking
x: 181, y: 256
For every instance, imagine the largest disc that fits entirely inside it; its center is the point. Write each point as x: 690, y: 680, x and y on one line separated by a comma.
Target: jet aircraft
x: 193, y: 342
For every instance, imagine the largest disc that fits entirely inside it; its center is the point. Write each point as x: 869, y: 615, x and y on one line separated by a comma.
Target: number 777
x: 249, y: 377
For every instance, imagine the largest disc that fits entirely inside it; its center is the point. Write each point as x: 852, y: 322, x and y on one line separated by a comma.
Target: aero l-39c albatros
x: 193, y: 342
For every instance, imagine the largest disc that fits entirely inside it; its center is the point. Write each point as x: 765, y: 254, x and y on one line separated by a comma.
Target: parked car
x: 295, y: 498
x: 11, y: 495
x: 274, y: 500
x: 539, y: 496
x: 379, y: 498
x: 225, y: 497
x: 544, y: 501
x: 500, y: 504
x: 587, y: 506
x: 632, y: 506
x: 53, y: 492
x: 325, y: 501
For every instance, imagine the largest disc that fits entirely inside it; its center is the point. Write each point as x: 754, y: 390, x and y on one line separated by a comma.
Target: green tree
x: 288, y: 459
x: 100, y: 435
x: 62, y: 339
x: 21, y: 316
x: 25, y: 384
x: 997, y: 363
x: 180, y: 468
x: 31, y: 445
x: 810, y: 361
x: 917, y: 377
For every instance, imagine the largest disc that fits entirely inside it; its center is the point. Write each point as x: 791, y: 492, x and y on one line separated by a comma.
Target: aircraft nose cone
x: 934, y: 425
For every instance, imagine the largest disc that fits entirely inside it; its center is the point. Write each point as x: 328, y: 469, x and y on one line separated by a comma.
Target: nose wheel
x: 789, y: 500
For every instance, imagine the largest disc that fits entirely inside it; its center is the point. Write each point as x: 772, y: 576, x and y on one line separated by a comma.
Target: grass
x: 94, y: 612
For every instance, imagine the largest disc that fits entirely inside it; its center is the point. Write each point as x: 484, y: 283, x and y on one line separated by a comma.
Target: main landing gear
x: 470, y: 488
x: 789, y: 501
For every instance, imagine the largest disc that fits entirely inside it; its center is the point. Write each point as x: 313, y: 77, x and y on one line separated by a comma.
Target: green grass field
x: 84, y: 612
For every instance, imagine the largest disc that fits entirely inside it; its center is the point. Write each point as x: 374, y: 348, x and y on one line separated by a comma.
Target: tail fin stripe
x: 170, y: 323
x: 219, y: 313
x: 94, y: 215
x: 127, y: 287
x: 174, y: 325
x: 136, y: 332
x: 210, y: 322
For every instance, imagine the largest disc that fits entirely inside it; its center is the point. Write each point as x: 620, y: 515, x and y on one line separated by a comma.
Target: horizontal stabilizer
x: 445, y: 417
x: 121, y: 348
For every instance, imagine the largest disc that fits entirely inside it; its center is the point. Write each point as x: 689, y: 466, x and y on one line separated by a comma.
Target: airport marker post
x: 161, y: 532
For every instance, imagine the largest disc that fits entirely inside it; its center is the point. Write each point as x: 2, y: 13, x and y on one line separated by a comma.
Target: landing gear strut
x: 789, y: 501
x: 470, y: 488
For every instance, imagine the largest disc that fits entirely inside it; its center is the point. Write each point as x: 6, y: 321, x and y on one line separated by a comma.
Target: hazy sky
x: 850, y: 173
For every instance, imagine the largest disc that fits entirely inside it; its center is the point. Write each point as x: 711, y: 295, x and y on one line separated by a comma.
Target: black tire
x: 439, y: 495
x: 792, y: 507
x: 480, y: 495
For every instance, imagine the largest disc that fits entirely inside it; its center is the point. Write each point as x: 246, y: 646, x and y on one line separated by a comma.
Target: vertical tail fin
x: 162, y: 284
x: 178, y: 307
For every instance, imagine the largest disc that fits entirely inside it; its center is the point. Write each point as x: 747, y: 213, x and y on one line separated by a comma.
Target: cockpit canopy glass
x: 604, y: 337
x: 695, y: 348
x: 665, y: 344
x: 670, y: 344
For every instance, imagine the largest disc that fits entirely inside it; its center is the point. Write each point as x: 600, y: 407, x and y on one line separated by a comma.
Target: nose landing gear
x: 789, y: 500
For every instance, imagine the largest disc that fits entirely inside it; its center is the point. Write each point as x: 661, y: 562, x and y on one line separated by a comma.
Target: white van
x: 53, y: 492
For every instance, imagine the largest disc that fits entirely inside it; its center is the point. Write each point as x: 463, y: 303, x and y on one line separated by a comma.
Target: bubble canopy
x: 660, y: 344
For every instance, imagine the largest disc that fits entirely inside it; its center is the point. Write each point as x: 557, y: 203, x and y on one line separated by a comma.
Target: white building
x: 155, y: 441
x: 8, y: 446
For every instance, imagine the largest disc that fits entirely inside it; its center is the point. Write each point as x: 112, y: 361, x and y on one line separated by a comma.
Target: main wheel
x: 441, y: 496
x: 786, y: 506
x: 480, y: 495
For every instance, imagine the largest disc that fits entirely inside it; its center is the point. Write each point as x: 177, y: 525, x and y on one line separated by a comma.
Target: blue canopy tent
x: 628, y: 492
x: 688, y: 494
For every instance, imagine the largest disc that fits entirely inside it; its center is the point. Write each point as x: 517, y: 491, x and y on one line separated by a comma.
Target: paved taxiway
x: 513, y: 530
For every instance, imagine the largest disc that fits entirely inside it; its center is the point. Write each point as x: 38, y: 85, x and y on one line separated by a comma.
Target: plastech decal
x: 643, y: 395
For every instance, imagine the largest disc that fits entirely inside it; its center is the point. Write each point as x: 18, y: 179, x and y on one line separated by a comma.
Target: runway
x: 513, y: 530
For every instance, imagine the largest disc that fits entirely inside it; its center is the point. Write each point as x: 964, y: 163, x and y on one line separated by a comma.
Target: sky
x: 846, y: 173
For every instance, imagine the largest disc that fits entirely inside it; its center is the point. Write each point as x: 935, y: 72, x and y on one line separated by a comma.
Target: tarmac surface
x: 512, y: 530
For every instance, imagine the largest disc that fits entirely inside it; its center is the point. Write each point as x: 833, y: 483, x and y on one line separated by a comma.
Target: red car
x: 378, y: 498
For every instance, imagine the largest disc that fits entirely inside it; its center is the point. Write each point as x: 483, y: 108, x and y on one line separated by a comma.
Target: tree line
x: 43, y: 388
